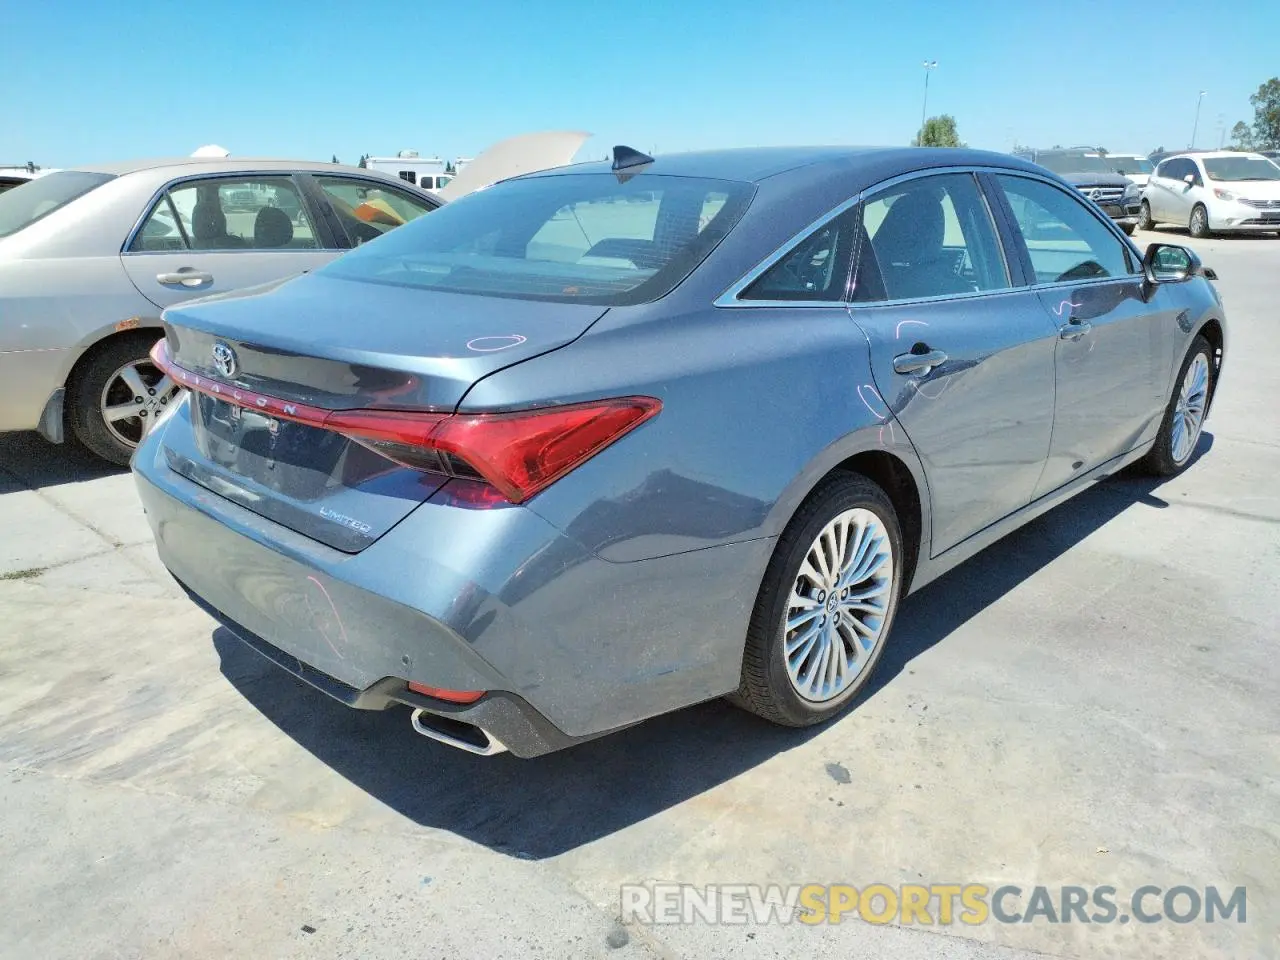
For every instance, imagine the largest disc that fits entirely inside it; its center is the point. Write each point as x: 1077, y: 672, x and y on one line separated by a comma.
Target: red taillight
x: 453, y: 696
x: 517, y: 453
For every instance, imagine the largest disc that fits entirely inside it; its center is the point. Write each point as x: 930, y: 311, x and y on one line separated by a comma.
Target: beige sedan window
x: 260, y: 213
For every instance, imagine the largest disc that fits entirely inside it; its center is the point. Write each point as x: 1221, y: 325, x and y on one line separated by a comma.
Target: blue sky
x: 87, y: 81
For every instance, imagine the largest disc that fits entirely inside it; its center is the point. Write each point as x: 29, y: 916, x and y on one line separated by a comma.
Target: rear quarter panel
x: 51, y: 311
x: 758, y: 405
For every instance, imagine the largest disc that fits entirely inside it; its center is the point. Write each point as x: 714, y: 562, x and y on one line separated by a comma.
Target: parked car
x: 1092, y: 173
x: 1132, y: 165
x: 545, y: 464
x: 16, y: 176
x: 12, y: 178
x: 1221, y: 192
x: 90, y: 257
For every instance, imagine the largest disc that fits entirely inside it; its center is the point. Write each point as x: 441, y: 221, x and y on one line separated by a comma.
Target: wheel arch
x: 1212, y: 331
x: 894, y: 467
x: 130, y: 328
x: 892, y: 475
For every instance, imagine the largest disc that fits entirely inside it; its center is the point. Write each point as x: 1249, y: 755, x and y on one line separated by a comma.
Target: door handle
x: 1074, y: 330
x: 918, y: 362
x: 186, y: 277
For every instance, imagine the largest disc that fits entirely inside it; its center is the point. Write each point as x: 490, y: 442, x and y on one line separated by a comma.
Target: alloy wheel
x: 133, y: 399
x: 1188, y: 411
x: 836, y: 611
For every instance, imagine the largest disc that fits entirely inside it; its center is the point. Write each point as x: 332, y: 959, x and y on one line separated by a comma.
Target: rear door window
x: 929, y: 237
x: 259, y: 213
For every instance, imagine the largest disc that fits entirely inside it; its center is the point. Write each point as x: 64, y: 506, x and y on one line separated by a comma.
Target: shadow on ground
x: 35, y: 462
x: 544, y: 807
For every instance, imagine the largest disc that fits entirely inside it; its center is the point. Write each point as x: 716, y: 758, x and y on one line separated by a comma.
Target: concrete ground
x: 1094, y: 700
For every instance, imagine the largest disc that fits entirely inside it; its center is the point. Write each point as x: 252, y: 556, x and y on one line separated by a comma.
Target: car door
x: 1182, y: 195
x: 962, y: 354
x: 357, y: 209
x: 211, y: 235
x: 1111, y: 351
x: 1157, y: 192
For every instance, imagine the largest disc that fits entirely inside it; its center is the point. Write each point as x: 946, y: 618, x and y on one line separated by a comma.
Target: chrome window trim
x: 150, y: 206
x: 973, y: 172
x: 944, y: 298
x: 730, y: 297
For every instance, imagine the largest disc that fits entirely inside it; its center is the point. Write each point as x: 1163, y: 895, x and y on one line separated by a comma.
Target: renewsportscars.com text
x: 932, y: 904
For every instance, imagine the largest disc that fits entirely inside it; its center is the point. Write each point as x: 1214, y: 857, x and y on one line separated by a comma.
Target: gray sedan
x: 618, y: 438
x: 89, y: 258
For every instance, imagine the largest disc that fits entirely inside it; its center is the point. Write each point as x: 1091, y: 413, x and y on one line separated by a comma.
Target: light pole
x: 1195, y: 129
x: 929, y: 65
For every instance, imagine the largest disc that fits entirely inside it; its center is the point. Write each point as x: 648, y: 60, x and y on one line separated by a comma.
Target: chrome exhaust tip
x: 455, y: 733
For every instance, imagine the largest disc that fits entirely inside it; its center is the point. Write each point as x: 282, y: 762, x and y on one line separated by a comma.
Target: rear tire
x: 826, y: 605
x: 1185, y: 414
x: 1144, y: 217
x: 101, y: 384
x: 1199, y: 224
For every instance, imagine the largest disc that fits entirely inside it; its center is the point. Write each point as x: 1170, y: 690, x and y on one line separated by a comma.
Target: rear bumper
x: 506, y: 717
x: 567, y: 645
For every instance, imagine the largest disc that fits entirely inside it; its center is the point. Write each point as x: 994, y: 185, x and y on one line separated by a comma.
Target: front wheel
x: 1199, y: 225
x: 826, y: 605
x: 116, y: 395
x: 1185, y: 414
x: 1144, y: 217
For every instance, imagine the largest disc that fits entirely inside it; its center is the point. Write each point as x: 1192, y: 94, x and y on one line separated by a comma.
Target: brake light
x: 519, y: 453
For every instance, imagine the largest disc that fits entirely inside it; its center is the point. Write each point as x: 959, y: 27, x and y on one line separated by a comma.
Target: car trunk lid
x: 267, y: 366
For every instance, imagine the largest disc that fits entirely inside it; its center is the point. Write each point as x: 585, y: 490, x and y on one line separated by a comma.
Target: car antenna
x: 627, y: 159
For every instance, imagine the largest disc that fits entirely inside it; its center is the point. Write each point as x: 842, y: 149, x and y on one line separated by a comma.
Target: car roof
x: 215, y: 165
x: 1213, y: 154
x: 755, y: 164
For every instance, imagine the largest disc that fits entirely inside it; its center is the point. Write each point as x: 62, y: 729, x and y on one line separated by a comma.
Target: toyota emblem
x: 224, y: 359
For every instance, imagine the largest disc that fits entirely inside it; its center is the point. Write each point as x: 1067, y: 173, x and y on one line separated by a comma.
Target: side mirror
x: 1170, y: 263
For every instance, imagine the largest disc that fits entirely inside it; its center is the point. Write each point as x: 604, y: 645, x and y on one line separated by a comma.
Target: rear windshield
x: 1241, y: 168
x: 24, y: 205
x: 571, y: 238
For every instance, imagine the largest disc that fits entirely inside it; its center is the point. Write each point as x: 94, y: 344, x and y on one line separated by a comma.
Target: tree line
x: 1264, y: 132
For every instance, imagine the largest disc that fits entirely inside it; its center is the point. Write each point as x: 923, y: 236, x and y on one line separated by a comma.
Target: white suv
x: 1220, y: 192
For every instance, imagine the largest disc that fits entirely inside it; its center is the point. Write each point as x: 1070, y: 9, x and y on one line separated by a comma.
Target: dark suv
x: 1090, y: 172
